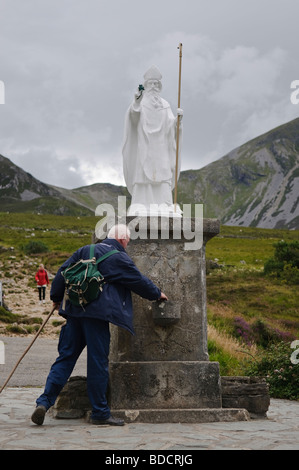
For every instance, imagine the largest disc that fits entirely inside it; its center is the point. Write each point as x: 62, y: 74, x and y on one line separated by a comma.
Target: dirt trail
x: 21, y: 295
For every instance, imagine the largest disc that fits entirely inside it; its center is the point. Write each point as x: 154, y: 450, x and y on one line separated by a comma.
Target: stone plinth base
x: 73, y: 403
x: 195, y: 415
x: 164, y: 385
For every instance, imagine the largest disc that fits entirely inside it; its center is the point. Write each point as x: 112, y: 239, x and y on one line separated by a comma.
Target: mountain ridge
x: 256, y: 184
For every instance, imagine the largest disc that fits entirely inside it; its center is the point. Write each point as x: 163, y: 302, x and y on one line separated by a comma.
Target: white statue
x: 149, y: 150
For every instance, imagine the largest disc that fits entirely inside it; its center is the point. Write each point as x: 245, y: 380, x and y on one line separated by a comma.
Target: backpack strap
x: 91, y: 251
x: 106, y: 255
x: 112, y: 252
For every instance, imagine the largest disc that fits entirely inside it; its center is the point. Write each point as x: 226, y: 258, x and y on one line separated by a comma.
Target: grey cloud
x: 71, y: 69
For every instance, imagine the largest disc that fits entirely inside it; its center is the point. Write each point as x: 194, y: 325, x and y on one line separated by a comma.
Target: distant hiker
x: 89, y: 326
x: 42, y: 280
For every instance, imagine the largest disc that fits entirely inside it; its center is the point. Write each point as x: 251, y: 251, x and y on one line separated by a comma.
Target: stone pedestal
x: 163, y: 374
x: 175, y: 330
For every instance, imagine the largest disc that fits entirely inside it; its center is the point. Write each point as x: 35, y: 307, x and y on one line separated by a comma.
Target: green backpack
x: 83, y: 280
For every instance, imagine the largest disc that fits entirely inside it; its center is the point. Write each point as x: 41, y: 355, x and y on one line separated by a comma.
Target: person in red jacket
x: 42, y: 280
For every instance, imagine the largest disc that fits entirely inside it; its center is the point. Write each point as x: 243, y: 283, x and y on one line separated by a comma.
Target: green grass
x: 50, y: 222
x: 253, y: 295
x: 238, y: 288
x: 227, y: 361
x: 60, y: 234
x: 252, y: 245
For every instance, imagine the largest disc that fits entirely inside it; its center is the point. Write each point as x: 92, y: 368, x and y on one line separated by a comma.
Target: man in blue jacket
x: 90, y: 327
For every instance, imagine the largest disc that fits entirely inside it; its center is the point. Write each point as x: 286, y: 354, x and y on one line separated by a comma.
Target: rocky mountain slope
x: 256, y: 184
x: 21, y: 192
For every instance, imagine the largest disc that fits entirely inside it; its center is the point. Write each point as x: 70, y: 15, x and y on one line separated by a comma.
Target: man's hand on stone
x: 163, y: 296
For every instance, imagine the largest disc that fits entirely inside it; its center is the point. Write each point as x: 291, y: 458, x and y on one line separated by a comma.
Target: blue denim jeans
x: 74, y: 336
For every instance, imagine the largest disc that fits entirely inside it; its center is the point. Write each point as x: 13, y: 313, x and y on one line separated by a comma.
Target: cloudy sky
x: 70, y: 69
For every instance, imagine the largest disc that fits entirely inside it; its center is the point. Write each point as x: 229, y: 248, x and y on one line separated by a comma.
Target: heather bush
x: 280, y: 372
x: 258, y: 333
x: 243, y: 331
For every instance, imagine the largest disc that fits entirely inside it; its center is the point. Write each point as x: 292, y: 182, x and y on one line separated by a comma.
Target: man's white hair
x: 119, y: 232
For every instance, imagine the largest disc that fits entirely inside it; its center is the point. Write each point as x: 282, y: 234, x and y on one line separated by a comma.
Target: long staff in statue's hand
x: 180, y: 47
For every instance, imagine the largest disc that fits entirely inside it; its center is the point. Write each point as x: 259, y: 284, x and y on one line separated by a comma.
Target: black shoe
x: 38, y: 415
x: 111, y: 421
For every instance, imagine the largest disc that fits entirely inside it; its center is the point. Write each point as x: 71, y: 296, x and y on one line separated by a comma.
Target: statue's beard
x: 153, y: 97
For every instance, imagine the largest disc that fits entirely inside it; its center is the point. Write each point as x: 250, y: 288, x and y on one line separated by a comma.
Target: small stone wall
x: 250, y: 393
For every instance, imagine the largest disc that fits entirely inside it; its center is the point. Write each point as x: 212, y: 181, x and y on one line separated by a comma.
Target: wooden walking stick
x: 180, y: 47
x: 25, y: 352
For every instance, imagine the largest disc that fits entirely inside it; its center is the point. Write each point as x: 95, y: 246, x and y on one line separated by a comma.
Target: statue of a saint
x: 149, y: 150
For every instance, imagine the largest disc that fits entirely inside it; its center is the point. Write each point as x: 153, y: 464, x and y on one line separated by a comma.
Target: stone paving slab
x: 17, y: 402
x: 279, y: 432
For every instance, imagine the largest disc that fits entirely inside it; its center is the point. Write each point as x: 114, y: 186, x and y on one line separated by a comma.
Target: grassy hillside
x: 247, y: 311
x: 243, y: 304
x: 58, y: 233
